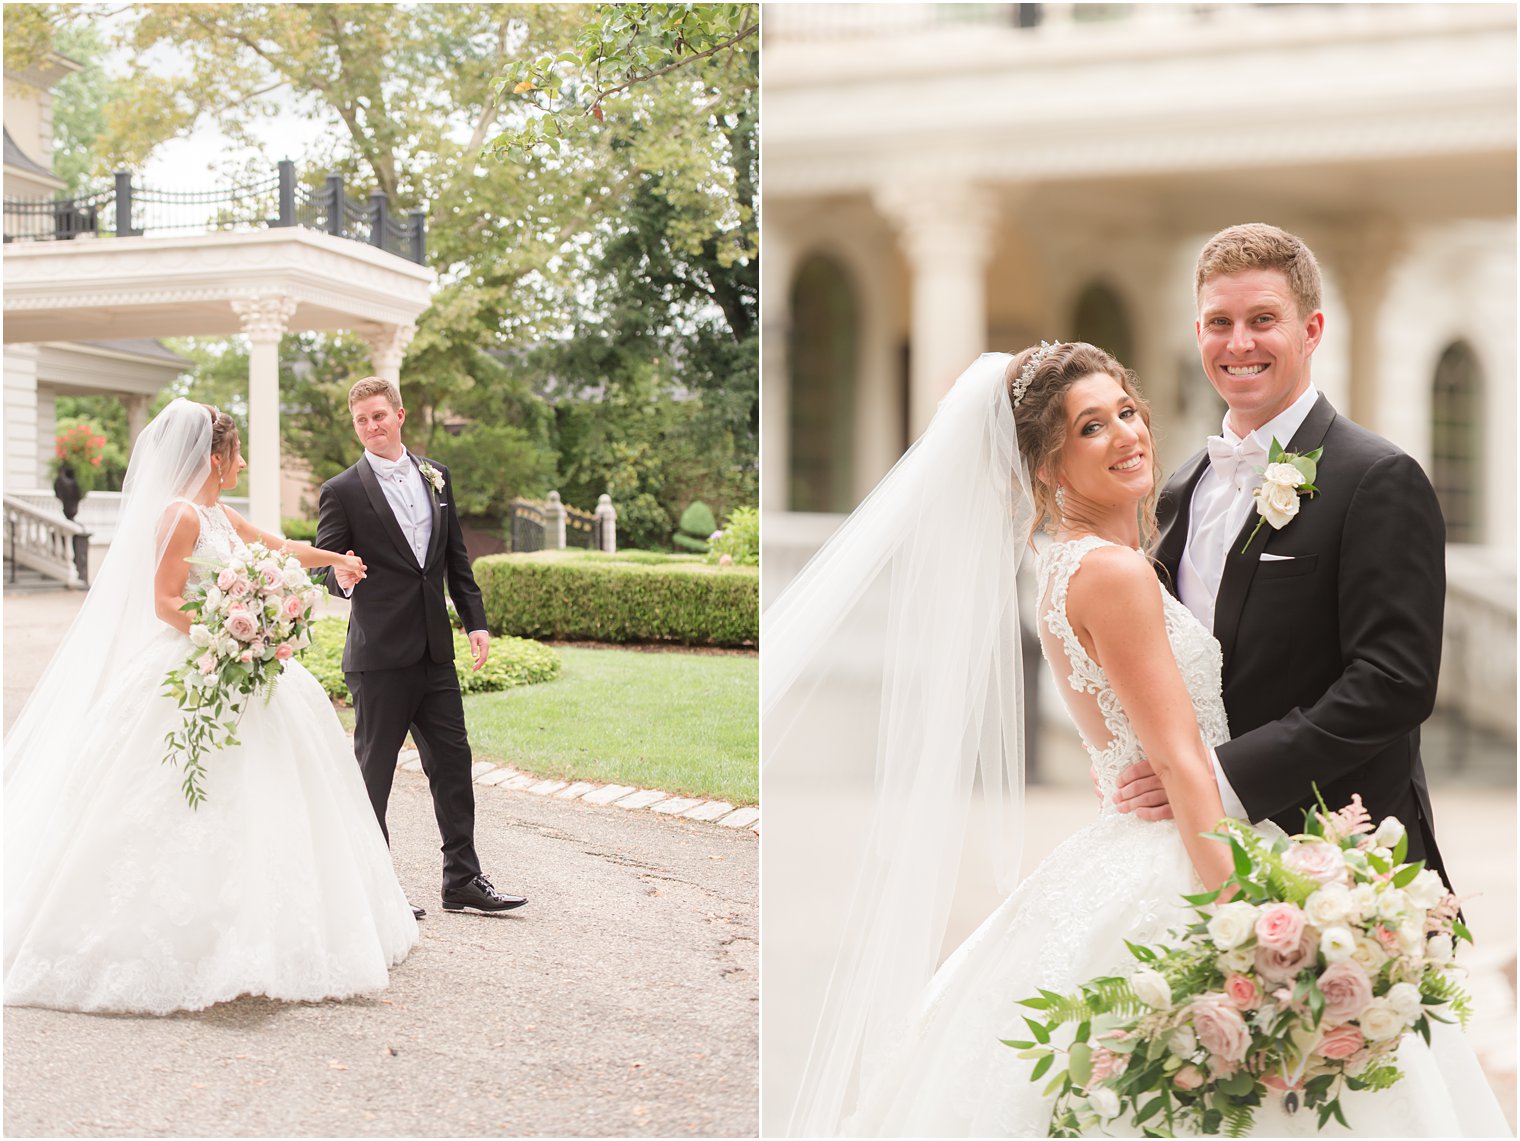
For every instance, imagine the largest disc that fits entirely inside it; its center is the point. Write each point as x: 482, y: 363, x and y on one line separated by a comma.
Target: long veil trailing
x: 172, y: 458
x: 894, y: 659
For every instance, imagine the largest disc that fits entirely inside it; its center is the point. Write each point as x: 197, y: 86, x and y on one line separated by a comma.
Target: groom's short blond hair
x: 373, y: 386
x: 1256, y: 245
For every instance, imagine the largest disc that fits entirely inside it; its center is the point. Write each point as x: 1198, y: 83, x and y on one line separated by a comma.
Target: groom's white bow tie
x: 392, y: 469
x: 1236, y: 461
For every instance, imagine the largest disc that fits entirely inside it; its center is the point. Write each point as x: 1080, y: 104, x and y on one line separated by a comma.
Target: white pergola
x: 262, y: 284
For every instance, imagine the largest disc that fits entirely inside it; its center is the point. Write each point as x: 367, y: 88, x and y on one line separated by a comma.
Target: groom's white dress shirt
x: 1221, y: 502
x: 405, y: 491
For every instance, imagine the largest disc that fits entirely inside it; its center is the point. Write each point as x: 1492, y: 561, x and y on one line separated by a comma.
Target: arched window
x: 821, y: 360
x: 1456, y: 419
x: 1100, y: 320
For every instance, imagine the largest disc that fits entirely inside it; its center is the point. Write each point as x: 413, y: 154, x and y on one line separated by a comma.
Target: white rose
x: 237, y: 565
x: 1328, y: 906
x: 1183, y: 1042
x: 213, y: 597
x: 1368, y: 954
x: 1425, y: 890
x: 1405, y: 999
x: 1232, y: 925
x: 1392, y: 903
x: 1337, y: 944
x: 1105, y: 1102
x: 1380, y: 1020
x: 1439, y: 949
x: 1151, y: 988
x: 200, y: 636
x: 1388, y: 833
x: 1285, y: 475
x: 1237, y: 959
x: 1278, y: 504
x: 1363, y: 902
x: 293, y: 563
x: 293, y: 577
x: 1411, y: 935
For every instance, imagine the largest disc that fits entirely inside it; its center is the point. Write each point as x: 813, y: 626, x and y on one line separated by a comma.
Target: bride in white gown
x: 898, y: 1053
x: 119, y: 896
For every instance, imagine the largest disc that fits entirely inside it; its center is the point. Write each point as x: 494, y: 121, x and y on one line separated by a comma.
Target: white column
x: 947, y: 232
x: 387, y: 346
x: 47, y: 432
x: 264, y: 321
x: 24, y: 451
x: 778, y: 266
x: 1362, y: 255
x: 137, y: 417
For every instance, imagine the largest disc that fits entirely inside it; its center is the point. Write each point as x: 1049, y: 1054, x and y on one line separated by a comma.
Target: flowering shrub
x: 739, y: 539
x: 82, y: 448
x: 1300, y: 987
x: 247, y: 620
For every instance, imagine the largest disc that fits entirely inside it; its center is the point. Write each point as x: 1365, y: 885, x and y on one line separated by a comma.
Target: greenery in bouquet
x: 248, y: 617
x: 1298, y: 981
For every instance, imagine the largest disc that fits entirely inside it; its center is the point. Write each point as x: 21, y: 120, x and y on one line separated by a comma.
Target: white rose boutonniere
x: 431, y: 474
x: 1288, y: 475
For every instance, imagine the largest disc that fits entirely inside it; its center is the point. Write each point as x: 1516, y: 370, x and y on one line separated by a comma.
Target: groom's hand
x: 1140, y: 791
x: 347, y: 579
x: 480, y: 646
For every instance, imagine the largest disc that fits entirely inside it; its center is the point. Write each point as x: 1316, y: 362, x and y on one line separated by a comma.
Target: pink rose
x: 1281, y: 966
x: 284, y: 652
x: 1321, y: 862
x: 246, y: 656
x: 1243, y: 992
x: 292, y: 606
x: 1189, y: 1077
x: 206, y: 663
x: 241, y: 624
x: 1347, y: 990
x: 240, y: 587
x: 226, y: 578
x: 1340, y: 1043
x: 1280, y: 926
x: 1220, y: 1027
x: 1106, y: 1063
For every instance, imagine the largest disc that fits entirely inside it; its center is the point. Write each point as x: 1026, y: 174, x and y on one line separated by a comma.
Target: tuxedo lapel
x: 1240, y: 568
x: 1172, y: 541
x: 435, y: 541
x: 382, y: 508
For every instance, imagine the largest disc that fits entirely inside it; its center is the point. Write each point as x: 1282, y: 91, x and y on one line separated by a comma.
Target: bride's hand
x: 350, y: 568
x: 1140, y: 791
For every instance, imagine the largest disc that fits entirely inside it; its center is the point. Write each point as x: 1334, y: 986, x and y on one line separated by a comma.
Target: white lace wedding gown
x: 120, y: 897
x: 1117, y: 878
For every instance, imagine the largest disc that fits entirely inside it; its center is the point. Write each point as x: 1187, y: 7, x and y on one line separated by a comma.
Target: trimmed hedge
x: 591, y: 596
x: 512, y: 661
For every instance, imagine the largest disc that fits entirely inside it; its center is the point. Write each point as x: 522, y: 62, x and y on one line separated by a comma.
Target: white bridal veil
x: 893, y: 660
x: 172, y: 458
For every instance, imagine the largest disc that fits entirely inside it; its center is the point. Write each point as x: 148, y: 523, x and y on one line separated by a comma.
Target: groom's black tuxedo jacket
x: 399, y: 615
x: 1330, y: 655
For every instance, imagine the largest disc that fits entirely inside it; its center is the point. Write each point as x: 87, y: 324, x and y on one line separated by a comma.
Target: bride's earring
x: 1061, y: 499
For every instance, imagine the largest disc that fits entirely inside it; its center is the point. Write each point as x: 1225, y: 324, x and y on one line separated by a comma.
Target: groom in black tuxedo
x: 1331, y: 624
x: 397, y: 514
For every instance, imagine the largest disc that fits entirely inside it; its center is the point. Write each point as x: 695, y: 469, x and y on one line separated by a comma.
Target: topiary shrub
x: 696, y: 528
x: 591, y: 596
x: 512, y: 661
x: 739, y: 539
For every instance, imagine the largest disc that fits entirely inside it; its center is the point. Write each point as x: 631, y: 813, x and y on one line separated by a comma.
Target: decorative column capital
x: 941, y: 221
x: 387, y: 345
x: 265, y: 316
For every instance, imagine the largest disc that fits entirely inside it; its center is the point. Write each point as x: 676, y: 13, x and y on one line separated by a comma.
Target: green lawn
x: 684, y: 723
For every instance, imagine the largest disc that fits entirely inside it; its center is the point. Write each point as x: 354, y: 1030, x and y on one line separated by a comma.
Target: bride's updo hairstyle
x: 224, y: 434
x: 1040, y: 418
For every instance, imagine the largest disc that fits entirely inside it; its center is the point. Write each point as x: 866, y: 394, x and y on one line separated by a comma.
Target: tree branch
x: 743, y: 33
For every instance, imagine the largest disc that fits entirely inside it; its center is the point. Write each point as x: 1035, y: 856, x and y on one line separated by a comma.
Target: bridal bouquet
x: 248, y: 617
x: 1331, y: 950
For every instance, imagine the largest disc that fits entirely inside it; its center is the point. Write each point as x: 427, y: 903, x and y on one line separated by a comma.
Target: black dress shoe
x: 417, y: 912
x: 479, y: 895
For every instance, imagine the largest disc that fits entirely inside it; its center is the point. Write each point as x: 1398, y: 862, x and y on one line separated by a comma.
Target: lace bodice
x: 217, y: 540
x: 1197, y: 653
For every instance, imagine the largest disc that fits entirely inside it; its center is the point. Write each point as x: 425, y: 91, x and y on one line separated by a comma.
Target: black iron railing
x: 131, y: 211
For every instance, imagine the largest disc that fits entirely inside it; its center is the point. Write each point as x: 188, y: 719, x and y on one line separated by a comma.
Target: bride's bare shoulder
x: 179, y: 524
x: 1113, y: 578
